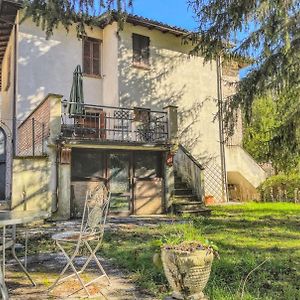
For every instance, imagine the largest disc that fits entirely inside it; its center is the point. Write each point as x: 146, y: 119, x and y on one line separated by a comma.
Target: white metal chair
x: 92, y: 229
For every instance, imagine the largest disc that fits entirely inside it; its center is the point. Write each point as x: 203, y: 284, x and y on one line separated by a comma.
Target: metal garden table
x: 14, y: 218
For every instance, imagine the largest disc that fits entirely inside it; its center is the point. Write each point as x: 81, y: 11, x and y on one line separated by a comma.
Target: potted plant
x: 187, y: 264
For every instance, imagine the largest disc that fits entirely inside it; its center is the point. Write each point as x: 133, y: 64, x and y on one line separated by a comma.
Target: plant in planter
x: 187, y: 264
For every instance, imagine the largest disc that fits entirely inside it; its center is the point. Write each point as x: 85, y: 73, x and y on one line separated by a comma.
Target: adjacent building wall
x: 6, y: 106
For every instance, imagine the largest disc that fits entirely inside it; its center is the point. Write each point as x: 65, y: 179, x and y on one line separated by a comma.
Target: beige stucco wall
x: 30, y: 188
x: 46, y: 66
x: 174, y: 78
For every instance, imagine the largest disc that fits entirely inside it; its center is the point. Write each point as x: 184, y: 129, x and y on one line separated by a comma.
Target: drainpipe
x: 55, y: 204
x: 221, y: 130
x: 54, y: 170
x: 14, y: 131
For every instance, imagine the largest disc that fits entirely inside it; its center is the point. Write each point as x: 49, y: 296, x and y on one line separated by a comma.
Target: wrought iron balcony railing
x: 108, y: 123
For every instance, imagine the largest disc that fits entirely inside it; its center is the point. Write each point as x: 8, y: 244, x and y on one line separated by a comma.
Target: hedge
x: 281, y: 187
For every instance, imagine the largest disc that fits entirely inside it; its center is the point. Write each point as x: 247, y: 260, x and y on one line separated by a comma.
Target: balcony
x: 117, y: 124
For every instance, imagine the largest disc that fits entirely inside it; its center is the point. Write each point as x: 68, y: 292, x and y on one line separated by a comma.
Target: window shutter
x: 141, y: 49
x: 91, y: 56
x: 136, y: 48
x: 96, y: 58
x: 86, y: 56
x: 145, y: 51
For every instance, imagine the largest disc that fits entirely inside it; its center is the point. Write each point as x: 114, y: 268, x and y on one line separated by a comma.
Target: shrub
x: 281, y: 187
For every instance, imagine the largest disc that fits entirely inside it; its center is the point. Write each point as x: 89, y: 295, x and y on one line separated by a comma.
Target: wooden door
x: 148, y: 183
x: 148, y: 197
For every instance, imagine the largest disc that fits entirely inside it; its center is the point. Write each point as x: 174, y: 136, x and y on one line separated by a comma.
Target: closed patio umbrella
x: 76, y: 100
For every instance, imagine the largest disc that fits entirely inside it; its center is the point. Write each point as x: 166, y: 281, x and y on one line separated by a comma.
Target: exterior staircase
x: 185, y: 201
x: 244, y: 172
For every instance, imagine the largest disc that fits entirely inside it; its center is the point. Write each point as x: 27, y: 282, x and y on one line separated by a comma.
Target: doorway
x: 119, y: 181
x: 135, y: 179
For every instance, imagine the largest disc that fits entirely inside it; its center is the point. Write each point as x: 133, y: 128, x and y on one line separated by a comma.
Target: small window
x: 91, y: 56
x: 141, y: 50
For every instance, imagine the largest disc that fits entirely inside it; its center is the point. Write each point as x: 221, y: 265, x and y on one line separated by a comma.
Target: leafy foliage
x: 270, y: 31
x: 281, y: 187
x: 261, y: 133
x: 261, y: 130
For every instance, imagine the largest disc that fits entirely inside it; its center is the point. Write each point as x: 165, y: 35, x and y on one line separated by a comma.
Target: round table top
x: 21, y: 217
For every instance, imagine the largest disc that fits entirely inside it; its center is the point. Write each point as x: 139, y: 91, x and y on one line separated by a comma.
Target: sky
x: 172, y: 12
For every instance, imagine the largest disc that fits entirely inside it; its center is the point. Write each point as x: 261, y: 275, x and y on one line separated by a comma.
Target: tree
x: 269, y: 30
x: 49, y: 14
x: 259, y: 136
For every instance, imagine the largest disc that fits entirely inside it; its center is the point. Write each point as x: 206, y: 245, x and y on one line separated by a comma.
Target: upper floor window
x: 91, y: 56
x: 141, y: 50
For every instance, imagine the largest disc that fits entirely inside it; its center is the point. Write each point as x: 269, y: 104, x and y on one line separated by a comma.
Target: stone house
x: 144, y: 94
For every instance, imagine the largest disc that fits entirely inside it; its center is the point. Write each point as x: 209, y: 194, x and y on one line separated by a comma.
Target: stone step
x: 183, y: 191
x: 4, y: 205
x: 188, y: 202
x: 192, y: 205
x: 178, y: 180
x: 185, y: 197
x: 196, y: 212
x: 181, y: 185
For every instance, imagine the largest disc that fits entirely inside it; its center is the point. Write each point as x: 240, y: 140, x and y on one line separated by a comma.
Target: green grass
x: 246, y: 235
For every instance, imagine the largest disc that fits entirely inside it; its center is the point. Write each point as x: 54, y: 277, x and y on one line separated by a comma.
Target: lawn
x: 247, y: 235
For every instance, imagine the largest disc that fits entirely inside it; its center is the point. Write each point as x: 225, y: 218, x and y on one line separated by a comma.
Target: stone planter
x: 187, y: 271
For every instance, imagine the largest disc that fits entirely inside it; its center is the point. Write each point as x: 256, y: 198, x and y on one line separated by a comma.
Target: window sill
x: 92, y: 76
x: 141, y: 66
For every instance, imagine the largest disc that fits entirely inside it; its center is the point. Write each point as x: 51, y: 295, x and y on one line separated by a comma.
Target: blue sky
x: 172, y: 12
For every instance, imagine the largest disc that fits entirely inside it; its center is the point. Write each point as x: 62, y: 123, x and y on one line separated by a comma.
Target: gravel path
x: 44, y: 269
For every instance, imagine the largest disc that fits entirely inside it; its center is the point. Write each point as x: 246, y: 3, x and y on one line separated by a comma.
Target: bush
x: 281, y: 187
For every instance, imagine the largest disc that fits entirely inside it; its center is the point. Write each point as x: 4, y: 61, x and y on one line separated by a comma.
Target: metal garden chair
x: 92, y: 229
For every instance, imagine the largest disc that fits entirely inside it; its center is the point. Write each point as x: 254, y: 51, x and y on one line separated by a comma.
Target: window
x: 141, y: 50
x: 91, y: 56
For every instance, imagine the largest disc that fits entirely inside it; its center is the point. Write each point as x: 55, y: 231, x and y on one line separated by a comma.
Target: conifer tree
x: 269, y: 32
x: 49, y: 14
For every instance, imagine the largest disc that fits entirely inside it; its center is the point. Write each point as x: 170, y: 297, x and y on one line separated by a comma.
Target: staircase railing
x: 190, y: 170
